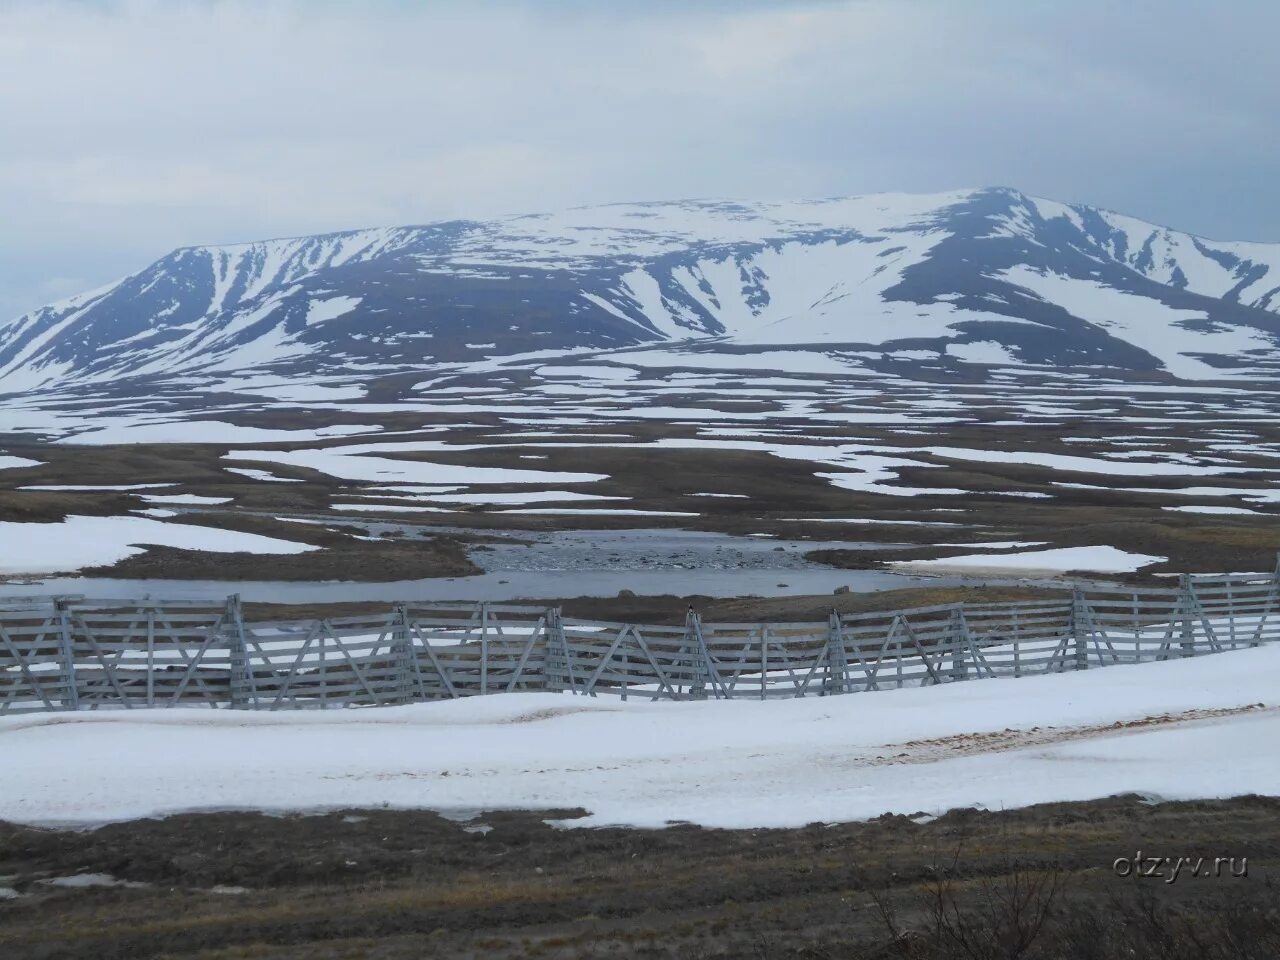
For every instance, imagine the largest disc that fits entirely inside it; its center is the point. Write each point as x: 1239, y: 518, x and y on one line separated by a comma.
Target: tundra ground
x: 397, y: 884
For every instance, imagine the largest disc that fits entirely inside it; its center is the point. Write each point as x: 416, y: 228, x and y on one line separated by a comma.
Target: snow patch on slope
x: 1158, y: 329
x: 318, y: 311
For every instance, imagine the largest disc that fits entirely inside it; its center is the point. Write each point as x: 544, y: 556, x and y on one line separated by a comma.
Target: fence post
x: 151, y: 656
x: 959, y: 636
x: 1272, y: 596
x: 67, y: 649
x: 837, y: 661
x: 564, y: 678
x: 1186, y: 605
x: 237, y: 654
x: 402, y: 644
x: 718, y: 689
x: 484, y: 648
x: 696, y: 653
x: 547, y: 637
x: 764, y: 661
x: 1079, y: 635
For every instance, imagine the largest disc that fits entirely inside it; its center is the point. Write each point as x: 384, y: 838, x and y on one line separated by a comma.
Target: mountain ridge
x: 991, y: 272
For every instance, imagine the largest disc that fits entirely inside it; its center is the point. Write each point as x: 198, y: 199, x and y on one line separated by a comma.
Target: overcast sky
x: 131, y: 128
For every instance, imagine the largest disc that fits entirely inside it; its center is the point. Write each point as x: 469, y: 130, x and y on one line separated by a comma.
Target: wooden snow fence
x: 67, y: 653
x: 1203, y: 614
x: 463, y: 650
x: 35, y: 659
x: 71, y: 653
x: 629, y: 659
x: 337, y: 661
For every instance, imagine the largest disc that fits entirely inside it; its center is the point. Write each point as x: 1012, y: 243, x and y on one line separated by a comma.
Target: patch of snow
x: 318, y: 311
x: 982, y: 351
x: 205, y: 431
x: 586, y: 372
x: 1058, y: 560
x: 785, y: 361
x: 1158, y: 329
x: 99, y: 487
x: 388, y: 508
x: 15, y: 463
x: 732, y: 764
x: 1058, y: 461
x: 354, y: 463
x: 1241, y: 511
x: 191, y: 498
x: 253, y: 474
x: 531, y: 496
x: 602, y: 512
x: 80, y: 541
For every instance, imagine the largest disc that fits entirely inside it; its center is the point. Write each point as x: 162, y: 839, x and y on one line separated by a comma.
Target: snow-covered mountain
x: 984, y: 276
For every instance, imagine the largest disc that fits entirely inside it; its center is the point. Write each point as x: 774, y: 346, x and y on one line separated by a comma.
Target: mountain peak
x: 1035, y: 280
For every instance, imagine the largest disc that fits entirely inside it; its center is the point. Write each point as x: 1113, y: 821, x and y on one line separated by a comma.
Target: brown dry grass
x: 399, y: 885
x: 671, y: 610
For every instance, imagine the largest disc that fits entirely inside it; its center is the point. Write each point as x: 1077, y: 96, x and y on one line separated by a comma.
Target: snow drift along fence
x: 69, y: 653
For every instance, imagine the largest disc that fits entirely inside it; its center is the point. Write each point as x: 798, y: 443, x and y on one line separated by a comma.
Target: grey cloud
x: 130, y: 128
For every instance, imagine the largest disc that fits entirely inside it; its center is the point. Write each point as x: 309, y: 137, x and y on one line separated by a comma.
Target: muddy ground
x: 384, y: 884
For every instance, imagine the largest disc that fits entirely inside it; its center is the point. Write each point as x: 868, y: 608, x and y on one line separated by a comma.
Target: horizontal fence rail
x: 73, y: 653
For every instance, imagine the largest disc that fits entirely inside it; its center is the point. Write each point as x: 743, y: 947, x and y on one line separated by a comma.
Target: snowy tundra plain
x: 1185, y: 729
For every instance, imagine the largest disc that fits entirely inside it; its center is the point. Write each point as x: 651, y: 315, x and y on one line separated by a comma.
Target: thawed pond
x: 581, y: 563
x: 685, y: 551
x: 495, y: 587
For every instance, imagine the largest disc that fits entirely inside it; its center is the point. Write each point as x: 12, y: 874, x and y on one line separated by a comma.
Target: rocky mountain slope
x: 988, y: 276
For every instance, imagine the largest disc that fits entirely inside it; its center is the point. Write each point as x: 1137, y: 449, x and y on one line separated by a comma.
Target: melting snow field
x: 79, y: 542
x: 362, y: 463
x: 12, y: 463
x: 1187, y: 729
x: 205, y: 431
x: 1060, y: 560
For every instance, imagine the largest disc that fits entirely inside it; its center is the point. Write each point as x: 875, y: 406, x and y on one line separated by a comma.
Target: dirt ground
x: 1039, y: 882
x: 798, y: 608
